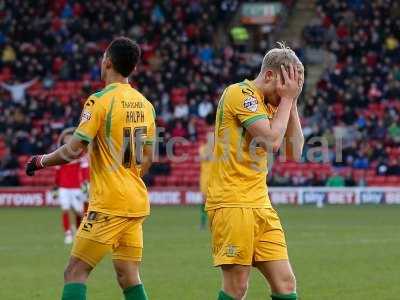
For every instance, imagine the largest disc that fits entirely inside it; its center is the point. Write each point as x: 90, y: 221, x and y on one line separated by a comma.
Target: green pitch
x: 347, y: 253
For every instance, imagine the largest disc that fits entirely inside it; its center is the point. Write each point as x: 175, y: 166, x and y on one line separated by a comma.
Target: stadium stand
x: 357, y: 99
x: 183, y: 72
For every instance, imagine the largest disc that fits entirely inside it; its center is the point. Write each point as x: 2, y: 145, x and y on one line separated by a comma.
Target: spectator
x: 206, y: 53
x: 179, y: 130
x: 181, y: 111
x: 193, y: 109
x: 18, y: 90
x: 279, y: 179
x: 240, y: 35
x: 394, y: 131
x: 379, y: 130
x: 8, y: 55
x: 382, y: 167
x: 394, y: 167
x: 335, y: 180
x: 361, y: 161
x: 320, y: 179
x: 349, y: 180
x: 299, y: 179
x: 8, y: 169
x: 205, y: 108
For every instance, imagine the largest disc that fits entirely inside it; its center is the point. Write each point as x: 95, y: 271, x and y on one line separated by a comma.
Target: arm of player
x: 66, y: 153
x: 63, y: 155
x: 272, y: 132
x: 294, y: 138
x: 91, y: 120
x: 148, y: 156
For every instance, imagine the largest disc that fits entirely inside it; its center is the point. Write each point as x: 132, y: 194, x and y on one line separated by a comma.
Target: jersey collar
x: 256, y: 89
x: 117, y: 83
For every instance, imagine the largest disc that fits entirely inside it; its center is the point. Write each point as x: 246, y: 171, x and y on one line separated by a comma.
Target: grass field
x: 337, y: 252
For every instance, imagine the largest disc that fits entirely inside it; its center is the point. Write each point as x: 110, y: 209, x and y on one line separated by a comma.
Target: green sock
x: 135, y: 292
x: 74, y: 291
x: 203, y: 216
x: 292, y: 296
x: 224, y: 296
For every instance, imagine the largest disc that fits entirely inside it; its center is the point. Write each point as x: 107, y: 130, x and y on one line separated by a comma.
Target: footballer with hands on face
x: 119, y: 124
x: 253, y: 117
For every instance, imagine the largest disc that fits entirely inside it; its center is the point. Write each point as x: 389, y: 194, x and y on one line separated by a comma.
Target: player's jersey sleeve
x: 151, y: 132
x: 243, y: 103
x: 93, y: 115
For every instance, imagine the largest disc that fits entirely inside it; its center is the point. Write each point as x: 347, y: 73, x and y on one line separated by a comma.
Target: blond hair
x: 278, y: 56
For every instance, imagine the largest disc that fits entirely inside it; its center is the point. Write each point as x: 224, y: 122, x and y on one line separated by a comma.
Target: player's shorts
x: 245, y: 236
x: 70, y: 199
x: 100, y: 234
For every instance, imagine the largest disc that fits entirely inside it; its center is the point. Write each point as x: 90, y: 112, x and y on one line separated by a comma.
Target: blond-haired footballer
x: 253, y: 117
x: 119, y: 123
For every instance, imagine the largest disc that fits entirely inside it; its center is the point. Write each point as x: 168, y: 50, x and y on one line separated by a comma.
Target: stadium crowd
x: 61, y: 43
x: 356, y: 102
x: 49, y: 63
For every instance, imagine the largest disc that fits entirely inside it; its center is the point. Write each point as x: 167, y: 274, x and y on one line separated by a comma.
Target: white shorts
x: 71, y: 199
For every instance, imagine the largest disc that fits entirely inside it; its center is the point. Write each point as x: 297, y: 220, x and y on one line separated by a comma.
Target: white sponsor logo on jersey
x: 86, y: 115
x: 251, y: 104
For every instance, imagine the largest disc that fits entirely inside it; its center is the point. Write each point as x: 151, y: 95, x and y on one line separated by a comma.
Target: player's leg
x: 75, y: 276
x: 94, y: 239
x: 270, y: 255
x: 65, y: 204
x: 280, y: 277
x: 127, y: 255
x: 232, y: 231
x: 129, y: 279
x: 235, y: 280
x: 85, y: 255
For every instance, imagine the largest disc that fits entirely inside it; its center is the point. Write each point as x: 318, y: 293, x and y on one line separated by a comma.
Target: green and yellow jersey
x: 117, y: 121
x: 239, y: 167
x: 205, y: 167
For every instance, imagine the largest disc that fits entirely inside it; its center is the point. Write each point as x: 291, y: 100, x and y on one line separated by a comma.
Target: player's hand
x: 301, y: 84
x: 34, y: 163
x: 288, y: 83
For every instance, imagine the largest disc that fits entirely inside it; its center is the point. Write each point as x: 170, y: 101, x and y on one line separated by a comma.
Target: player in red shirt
x: 69, y: 181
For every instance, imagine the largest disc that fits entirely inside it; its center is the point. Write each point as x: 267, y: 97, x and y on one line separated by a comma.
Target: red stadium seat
x: 345, y: 171
x: 370, y: 172
x: 376, y: 181
x: 159, y: 180
x: 357, y: 173
x: 392, y: 180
